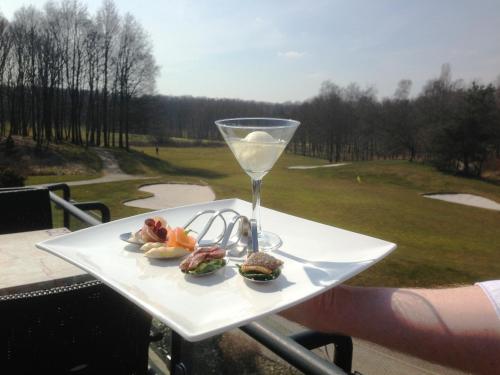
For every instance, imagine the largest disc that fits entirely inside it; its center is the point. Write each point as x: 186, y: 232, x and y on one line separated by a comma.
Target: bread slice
x: 259, y: 269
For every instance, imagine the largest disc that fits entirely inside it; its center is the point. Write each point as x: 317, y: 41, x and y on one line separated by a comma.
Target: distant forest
x: 451, y: 123
x: 66, y: 75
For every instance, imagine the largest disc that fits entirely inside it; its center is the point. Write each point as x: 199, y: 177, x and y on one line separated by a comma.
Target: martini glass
x: 256, y: 144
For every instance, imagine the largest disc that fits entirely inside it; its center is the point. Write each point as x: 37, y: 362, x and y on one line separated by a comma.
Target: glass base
x: 269, y: 241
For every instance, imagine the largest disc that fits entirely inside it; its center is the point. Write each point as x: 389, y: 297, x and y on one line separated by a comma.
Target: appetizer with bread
x: 204, y: 261
x: 158, y: 240
x: 261, y: 266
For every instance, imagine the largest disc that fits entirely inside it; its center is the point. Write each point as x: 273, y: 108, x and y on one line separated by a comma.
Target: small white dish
x: 131, y: 238
x: 257, y: 281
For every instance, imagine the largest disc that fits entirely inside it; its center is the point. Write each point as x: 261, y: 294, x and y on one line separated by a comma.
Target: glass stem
x: 256, y: 202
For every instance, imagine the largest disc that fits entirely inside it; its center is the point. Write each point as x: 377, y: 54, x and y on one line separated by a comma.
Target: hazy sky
x: 283, y: 49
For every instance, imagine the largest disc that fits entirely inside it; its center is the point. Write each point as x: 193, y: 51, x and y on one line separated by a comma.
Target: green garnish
x: 206, y: 267
x: 260, y: 276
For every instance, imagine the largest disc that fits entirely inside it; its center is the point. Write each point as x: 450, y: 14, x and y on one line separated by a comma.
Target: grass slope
x: 61, y: 162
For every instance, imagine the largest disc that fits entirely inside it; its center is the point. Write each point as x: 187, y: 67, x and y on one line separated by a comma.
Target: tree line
x: 452, y: 123
x: 66, y: 75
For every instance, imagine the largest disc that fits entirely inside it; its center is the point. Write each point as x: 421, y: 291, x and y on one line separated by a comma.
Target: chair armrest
x: 95, y: 206
x: 84, y: 206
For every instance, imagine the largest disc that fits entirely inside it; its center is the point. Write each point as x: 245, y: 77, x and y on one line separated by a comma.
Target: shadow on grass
x: 135, y: 162
x: 47, y: 159
x: 492, y: 178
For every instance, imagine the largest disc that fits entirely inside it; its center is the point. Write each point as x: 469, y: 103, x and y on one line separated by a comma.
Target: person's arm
x: 454, y: 327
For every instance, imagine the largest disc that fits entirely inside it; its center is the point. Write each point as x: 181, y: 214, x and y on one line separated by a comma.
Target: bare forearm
x: 448, y: 326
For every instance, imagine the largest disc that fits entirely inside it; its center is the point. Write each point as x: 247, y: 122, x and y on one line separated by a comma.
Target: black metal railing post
x: 295, y: 354
x: 73, y: 210
x: 87, y: 206
x: 177, y: 366
x: 343, y: 346
x: 66, y: 196
x: 95, y: 206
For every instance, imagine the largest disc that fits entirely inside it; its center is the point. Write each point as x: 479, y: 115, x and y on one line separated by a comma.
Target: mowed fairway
x: 439, y: 243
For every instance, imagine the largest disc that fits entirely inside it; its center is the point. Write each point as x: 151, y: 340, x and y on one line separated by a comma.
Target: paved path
x: 111, y: 171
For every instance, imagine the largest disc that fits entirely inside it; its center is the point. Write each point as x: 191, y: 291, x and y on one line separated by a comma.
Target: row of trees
x: 451, y: 123
x: 67, y: 75
x: 457, y: 125
x: 193, y: 117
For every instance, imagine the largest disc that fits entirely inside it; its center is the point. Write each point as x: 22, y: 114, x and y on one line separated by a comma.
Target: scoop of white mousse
x: 259, y: 136
x: 257, y: 152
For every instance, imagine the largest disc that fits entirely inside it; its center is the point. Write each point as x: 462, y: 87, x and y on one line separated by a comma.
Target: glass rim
x: 287, y: 123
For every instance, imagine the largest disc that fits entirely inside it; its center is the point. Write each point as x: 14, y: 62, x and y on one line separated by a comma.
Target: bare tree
x: 403, y: 90
x: 5, y: 45
x: 21, y: 30
x: 445, y: 76
x: 74, y: 21
x: 93, y: 57
x: 108, y: 23
x: 136, y: 70
x: 57, y: 68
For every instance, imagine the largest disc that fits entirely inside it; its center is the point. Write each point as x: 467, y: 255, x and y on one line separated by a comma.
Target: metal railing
x: 343, y: 346
x: 76, y: 208
x: 294, y: 353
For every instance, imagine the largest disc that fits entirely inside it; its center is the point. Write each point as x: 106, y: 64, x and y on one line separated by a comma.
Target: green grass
x: 113, y: 194
x: 144, y: 161
x: 439, y: 243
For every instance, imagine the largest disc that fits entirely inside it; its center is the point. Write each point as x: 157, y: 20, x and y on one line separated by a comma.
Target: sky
x: 282, y: 50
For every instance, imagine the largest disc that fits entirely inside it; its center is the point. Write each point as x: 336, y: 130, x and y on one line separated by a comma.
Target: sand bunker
x: 317, y: 166
x: 467, y: 199
x: 172, y: 195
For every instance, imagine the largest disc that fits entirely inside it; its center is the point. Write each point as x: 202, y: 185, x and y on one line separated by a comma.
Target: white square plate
x: 317, y: 257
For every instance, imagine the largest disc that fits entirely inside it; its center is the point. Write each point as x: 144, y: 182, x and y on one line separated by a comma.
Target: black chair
x: 84, y: 328
x: 24, y: 209
x: 28, y: 208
